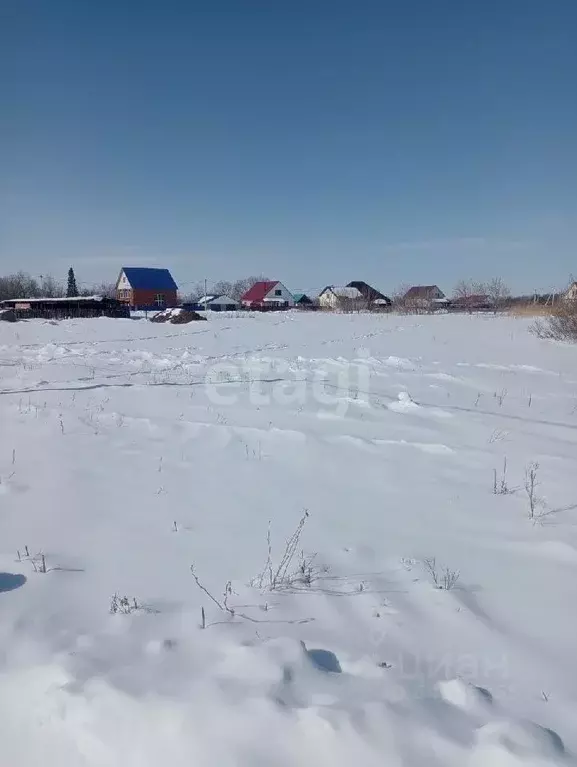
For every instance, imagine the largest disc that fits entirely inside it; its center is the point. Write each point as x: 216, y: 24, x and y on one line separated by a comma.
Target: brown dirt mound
x: 177, y: 316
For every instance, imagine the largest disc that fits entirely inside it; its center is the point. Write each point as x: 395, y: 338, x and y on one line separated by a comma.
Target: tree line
x: 235, y: 289
x: 23, y: 285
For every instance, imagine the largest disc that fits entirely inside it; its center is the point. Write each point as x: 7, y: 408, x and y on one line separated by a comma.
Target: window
x: 278, y: 292
x: 159, y: 299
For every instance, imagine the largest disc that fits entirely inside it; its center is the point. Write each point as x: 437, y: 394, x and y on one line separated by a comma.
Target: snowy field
x: 130, y: 452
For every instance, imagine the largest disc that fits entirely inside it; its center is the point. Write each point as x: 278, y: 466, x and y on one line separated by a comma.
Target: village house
x: 476, y: 302
x: 217, y: 303
x: 425, y: 298
x: 146, y: 289
x: 302, y: 301
x: 374, y: 298
x: 267, y: 295
x: 344, y: 298
x: 341, y: 298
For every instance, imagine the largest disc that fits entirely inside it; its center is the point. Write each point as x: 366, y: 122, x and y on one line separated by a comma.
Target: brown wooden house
x: 146, y: 289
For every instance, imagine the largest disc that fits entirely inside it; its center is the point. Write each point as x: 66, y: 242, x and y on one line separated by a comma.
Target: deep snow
x: 131, y: 451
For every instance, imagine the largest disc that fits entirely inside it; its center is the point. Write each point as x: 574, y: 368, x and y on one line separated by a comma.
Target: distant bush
x: 560, y: 326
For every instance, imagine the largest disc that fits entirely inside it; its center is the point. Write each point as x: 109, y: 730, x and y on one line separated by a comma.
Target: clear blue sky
x: 413, y: 141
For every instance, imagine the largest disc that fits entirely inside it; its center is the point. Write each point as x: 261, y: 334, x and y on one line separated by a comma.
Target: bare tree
x: 495, y: 289
x: 498, y: 292
x: 462, y: 289
x: 105, y: 289
x: 194, y: 293
x: 398, y: 296
x: 240, y: 287
x: 223, y: 288
x: 468, y: 288
x: 50, y: 288
x: 19, y: 285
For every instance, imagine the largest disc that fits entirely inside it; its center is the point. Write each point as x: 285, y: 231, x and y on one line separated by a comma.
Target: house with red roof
x: 266, y: 295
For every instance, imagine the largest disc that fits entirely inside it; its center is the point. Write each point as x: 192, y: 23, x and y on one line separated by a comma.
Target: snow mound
x: 405, y: 403
x: 464, y: 695
x: 514, y: 744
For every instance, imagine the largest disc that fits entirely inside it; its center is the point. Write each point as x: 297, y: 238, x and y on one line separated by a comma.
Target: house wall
x: 123, y: 290
x: 328, y: 300
x: 223, y: 303
x: 148, y: 298
x: 285, y: 296
x: 124, y: 295
x: 122, y: 283
x: 64, y: 309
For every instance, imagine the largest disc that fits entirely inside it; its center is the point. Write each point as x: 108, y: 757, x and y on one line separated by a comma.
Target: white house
x: 218, y: 303
x: 268, y: 294
x: 333, y: 297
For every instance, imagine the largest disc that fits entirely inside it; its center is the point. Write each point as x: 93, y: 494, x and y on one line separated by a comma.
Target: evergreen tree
x: 71, y: 290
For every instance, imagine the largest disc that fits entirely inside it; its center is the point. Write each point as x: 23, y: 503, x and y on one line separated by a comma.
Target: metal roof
x: 343, y: 291
x: 259, y: 291
x: 144, y: 278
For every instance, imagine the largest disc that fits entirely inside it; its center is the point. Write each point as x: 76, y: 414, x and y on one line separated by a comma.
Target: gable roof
x: 224, y: 300
x: 343, y: 291
x: 143, y: 278
x: 424, y: 291
x: 368, y: 292
x: 259, y: 291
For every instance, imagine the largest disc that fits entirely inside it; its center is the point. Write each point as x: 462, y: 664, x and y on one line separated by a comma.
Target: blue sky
x: 317, y: 142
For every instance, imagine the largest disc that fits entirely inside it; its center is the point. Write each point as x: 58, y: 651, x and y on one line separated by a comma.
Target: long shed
x: 65, y: 308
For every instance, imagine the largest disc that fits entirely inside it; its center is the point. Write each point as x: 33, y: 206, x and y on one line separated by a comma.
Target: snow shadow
x: 11, y: 581
x: 323, y: 660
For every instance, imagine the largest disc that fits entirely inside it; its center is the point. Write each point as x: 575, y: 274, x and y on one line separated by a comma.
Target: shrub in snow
x: 124, y: 605
x: 284, y: 575
x: 38, y: 562
x: 464, y: 695
x: 500, y: 486
x: 444, y: 578
x: 561, y: 326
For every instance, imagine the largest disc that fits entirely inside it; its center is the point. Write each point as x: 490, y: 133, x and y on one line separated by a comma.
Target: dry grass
x: 560, y: 326
x: 532, y: 310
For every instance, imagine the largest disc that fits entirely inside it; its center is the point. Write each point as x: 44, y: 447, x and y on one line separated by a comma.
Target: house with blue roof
x: 146, y: 289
